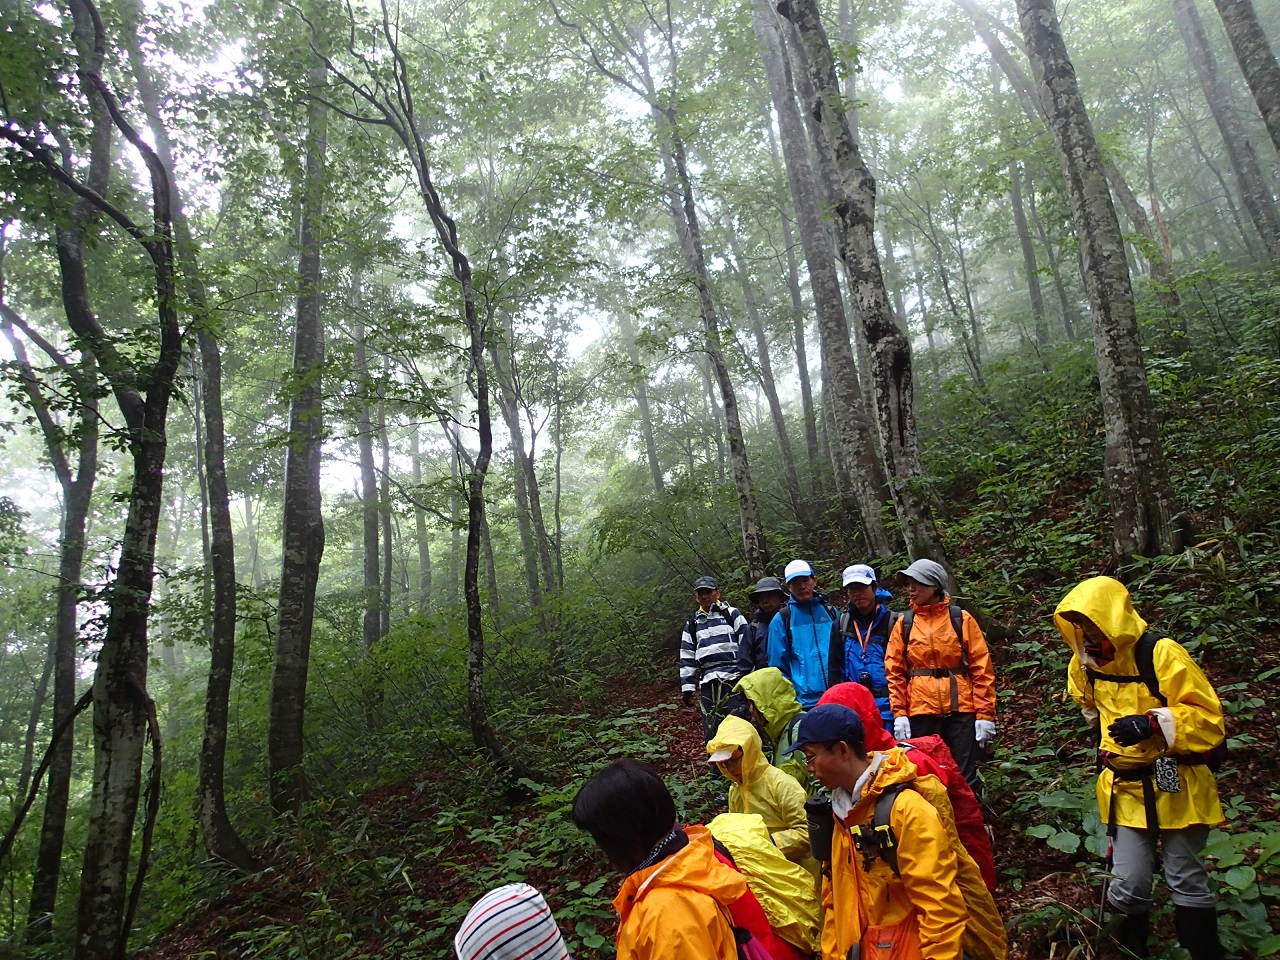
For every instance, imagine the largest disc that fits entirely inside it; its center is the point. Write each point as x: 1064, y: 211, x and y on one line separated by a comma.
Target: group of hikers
x: 850, y: 739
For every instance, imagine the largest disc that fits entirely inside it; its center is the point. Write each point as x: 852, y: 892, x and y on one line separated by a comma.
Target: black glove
x: 687, y: 696
x: 1130, y: 731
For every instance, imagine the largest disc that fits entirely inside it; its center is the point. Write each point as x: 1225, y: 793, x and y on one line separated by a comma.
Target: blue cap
x: 706, y: 583
x: 827, y: 723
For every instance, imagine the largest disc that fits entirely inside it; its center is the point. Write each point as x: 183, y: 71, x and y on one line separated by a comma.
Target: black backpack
x: 1144, y: 654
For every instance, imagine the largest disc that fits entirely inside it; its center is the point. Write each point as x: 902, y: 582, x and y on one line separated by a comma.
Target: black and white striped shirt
x: 710, y: 652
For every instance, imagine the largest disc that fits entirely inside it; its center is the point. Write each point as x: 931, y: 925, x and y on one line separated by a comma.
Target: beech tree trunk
x: 854, y: 223
x: 689, y: 232
x: 807, y: 412
x: 790, y: 477
x: 303, y: 536
x: 1028, y: 254
x: 123, y: 712
x: 640, y: 391
x: 1164, y: 281
x: 369, y: 510
x: 1256, y: 59
x: 1144, y: 516
x: 384, y: 508
x: 853, y: 434
x: 420, y: 522
x: 77, y: 490
x: 1254, y: 192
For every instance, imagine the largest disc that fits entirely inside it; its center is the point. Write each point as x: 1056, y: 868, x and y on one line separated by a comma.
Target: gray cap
x: 767, y: 585
x: 927, y: 571
x: 706, y: 583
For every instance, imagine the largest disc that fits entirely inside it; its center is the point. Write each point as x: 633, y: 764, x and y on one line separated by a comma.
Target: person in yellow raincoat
x: 759, y: 787
x: 915, y: 913
x: 785, y: 891
x: 1155, y: 761
x: 775, y: 709
x: 677, y: 898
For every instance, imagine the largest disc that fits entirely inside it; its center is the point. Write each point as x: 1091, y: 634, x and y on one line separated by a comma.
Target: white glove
x: 901, y: 728
x: 984, y: 731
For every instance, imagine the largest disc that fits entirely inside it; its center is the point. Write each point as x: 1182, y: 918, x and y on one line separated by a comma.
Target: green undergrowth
x: 418, y: 825
x: 393, y: 872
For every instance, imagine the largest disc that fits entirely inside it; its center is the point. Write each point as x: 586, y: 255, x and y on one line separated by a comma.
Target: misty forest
x: 378, y: 378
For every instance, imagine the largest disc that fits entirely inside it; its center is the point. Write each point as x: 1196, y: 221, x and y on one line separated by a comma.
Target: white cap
x: 798, y: 568
x: 859, y: 573
x: 720, y: 756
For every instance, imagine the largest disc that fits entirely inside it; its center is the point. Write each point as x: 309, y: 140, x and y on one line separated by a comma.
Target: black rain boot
x: 1197, y: 929
x: 1132, y: 933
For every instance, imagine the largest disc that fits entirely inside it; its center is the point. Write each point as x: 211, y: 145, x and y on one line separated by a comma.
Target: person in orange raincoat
x: 940, y: 682
x: 682, y: 898
x: 917, y: 912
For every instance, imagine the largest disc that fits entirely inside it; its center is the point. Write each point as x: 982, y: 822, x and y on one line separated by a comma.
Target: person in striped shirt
x: 709, y: 655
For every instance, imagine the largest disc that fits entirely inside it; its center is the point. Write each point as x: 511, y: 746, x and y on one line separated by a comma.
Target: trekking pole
x: 1102, y: 903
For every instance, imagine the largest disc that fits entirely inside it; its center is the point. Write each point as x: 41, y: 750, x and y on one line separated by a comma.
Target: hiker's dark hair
x: 627, y: 809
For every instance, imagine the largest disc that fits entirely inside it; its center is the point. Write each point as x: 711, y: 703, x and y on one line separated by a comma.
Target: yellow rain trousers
x: 785, y: 890
x: 767, y: 791
x: 1191, y: 722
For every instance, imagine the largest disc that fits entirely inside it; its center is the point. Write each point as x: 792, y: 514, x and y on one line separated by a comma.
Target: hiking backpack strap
x: 1144, y: 655
x: 876, y: 838
x: 957, y: 624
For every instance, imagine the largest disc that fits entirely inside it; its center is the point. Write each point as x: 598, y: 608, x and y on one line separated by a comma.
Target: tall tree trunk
x: 1067, y: 309
x: 1254, y: 192
x: 77, y: 489
x: 39, y: 696
x: 509, y: 407
x: 854, y: 224
x: 1028, y: 254
x: 384, y: 505
x: 124, y: 714
x: 1142, y: 508
x: 1164, y: 282
x: 303, y: 535
x: 372, y: 623
x: 1256, y: 59
x: 807, y: 413
x: 689, y: 232
x: 790, y: 477
x: 640, y: 391
x: 847, y: 409
x: 251, y: 533
x: 420, y: 522
x: 455, y: 512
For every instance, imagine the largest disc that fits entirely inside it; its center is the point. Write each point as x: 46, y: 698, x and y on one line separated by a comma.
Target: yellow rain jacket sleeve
x: 1191, y: 722
x: 678, y: 909
x: 926, y: 885
x: 784, y: 889
x: 933, y: 645
x: 767, y: 791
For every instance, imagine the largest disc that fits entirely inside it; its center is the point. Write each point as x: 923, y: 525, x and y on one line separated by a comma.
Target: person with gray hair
x: 939, y: 671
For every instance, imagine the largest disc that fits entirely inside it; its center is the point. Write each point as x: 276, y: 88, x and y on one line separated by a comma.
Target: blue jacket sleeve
x: 778, y: 645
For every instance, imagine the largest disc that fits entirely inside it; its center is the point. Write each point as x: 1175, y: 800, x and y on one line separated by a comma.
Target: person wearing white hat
x: 510, y: 923
x: 861, y: 637
x: 800, y: 635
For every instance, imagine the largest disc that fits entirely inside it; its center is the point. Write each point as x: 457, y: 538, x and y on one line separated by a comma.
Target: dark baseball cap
x: 706, y: 583
x: 827, y: 723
